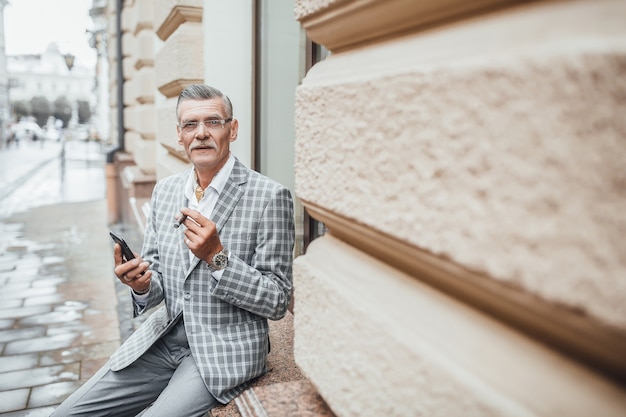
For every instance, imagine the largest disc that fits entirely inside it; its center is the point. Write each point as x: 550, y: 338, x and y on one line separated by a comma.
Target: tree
x: 40, y: 109
x: 62, y: 110
x: 84, y: 112
x: 21, y: 109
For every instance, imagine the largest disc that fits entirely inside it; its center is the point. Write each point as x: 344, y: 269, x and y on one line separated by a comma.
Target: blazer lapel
x: 229, y: 197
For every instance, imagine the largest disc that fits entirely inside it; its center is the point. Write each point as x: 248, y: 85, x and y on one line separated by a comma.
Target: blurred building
x: 98, y: 39
x: 4, y: 80
x: 466, y: 160
x: 51, y: 74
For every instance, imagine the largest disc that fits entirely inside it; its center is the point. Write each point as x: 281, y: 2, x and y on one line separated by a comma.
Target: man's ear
x: 234, y: 130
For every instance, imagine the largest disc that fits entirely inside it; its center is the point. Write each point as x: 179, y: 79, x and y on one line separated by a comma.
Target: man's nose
x: 201, y: 130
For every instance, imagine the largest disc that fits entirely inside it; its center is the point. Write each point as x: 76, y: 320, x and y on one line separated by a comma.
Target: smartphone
x: 127, y: 254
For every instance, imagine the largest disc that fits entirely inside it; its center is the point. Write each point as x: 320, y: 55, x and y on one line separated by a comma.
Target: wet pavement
x: 59, y: 313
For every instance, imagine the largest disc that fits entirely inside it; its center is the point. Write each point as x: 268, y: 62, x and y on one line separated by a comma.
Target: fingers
x: 117, y: 254
x: 192, y: 218
x: 131, y: 270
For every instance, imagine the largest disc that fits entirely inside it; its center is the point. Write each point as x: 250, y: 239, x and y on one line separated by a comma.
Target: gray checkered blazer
x: 225, y: 320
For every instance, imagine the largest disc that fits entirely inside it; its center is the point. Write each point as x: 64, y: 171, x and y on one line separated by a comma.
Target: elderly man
x: 218, y: 251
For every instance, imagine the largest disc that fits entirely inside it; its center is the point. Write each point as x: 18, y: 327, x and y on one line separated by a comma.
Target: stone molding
x: 173, y: 88
x: 576, y: 334
x: 377, y: 342
x: 178, y: 15
x: 339, y: 25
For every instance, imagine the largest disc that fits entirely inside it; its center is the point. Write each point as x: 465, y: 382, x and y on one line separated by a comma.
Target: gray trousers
x: 164, y: 382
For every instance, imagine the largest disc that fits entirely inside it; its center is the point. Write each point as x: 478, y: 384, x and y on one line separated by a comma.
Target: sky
x: 30, y: 25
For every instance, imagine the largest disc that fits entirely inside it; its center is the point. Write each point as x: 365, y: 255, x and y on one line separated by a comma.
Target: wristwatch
x: 219, y: 260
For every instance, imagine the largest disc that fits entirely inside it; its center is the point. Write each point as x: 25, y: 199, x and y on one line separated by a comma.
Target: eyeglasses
x: 190, y: 127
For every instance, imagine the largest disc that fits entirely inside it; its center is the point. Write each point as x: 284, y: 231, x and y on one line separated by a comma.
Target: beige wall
x: 178, y: 26
x: 155, y: 35
x: 162, y: 53
x: 480, y: 153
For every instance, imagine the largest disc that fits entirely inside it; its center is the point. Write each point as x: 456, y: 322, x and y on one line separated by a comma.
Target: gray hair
x: 204, y: 92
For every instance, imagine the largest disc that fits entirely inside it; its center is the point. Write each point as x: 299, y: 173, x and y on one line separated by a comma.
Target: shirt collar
x: 217, y: 183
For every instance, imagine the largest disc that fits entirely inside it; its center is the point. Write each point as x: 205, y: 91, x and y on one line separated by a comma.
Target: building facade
x: 4, y: 80
x: 48, y: 75
x: 466, y: 160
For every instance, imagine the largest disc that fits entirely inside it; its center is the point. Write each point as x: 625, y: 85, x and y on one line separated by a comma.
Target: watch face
x: 220, y: 260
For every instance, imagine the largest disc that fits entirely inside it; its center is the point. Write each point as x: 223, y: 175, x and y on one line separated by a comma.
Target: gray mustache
x: 210, y: 145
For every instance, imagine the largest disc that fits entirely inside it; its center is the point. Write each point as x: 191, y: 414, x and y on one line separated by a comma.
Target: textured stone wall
x: 492, y: 144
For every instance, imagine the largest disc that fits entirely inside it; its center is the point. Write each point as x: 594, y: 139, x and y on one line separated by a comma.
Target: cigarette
x: 180, y: 221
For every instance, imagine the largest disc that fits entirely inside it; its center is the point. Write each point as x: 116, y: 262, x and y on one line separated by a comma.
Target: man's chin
x: 203, y: 159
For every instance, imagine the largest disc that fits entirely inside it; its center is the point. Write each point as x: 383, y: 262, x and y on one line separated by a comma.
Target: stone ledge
x: 139, y: 184
x: 285, y: 399
x: 284, y: 390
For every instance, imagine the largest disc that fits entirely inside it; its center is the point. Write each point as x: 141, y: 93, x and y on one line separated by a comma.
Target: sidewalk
x: 58, y: 316
x: 18, y: 162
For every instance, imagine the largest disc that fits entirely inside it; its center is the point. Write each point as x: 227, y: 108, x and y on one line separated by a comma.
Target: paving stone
x: 17, y: 248
x: 52, y: 394
x: 52, y: 318
x: 15, y: 313
x: 52, y: 260
x: 103, y: 334
x: 12, y: 285
x: 7, y: 266
x: 6, y: 324
x: 41, y: 344
x: 76, y: 327
x: 79, y: 353
x: 27, y: 292
x: 12, y: 303
x: 39, y: 376
x: 13, y: 400
x: 29, y: 261
x: 21, y: 334
x: 31, y: 412
x: 17, y: 362
x: 52, y: 281
x: 71, y: 305
x: 43, y: 300
x: 25, y: 273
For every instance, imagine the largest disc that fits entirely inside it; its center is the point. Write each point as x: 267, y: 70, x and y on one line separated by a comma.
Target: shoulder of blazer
x: 240, y: 172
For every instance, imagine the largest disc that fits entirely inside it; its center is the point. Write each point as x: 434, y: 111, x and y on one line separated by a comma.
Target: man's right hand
x: 134, y: 273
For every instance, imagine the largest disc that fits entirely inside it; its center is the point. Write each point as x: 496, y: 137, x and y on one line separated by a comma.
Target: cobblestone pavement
x: 60, y: 318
